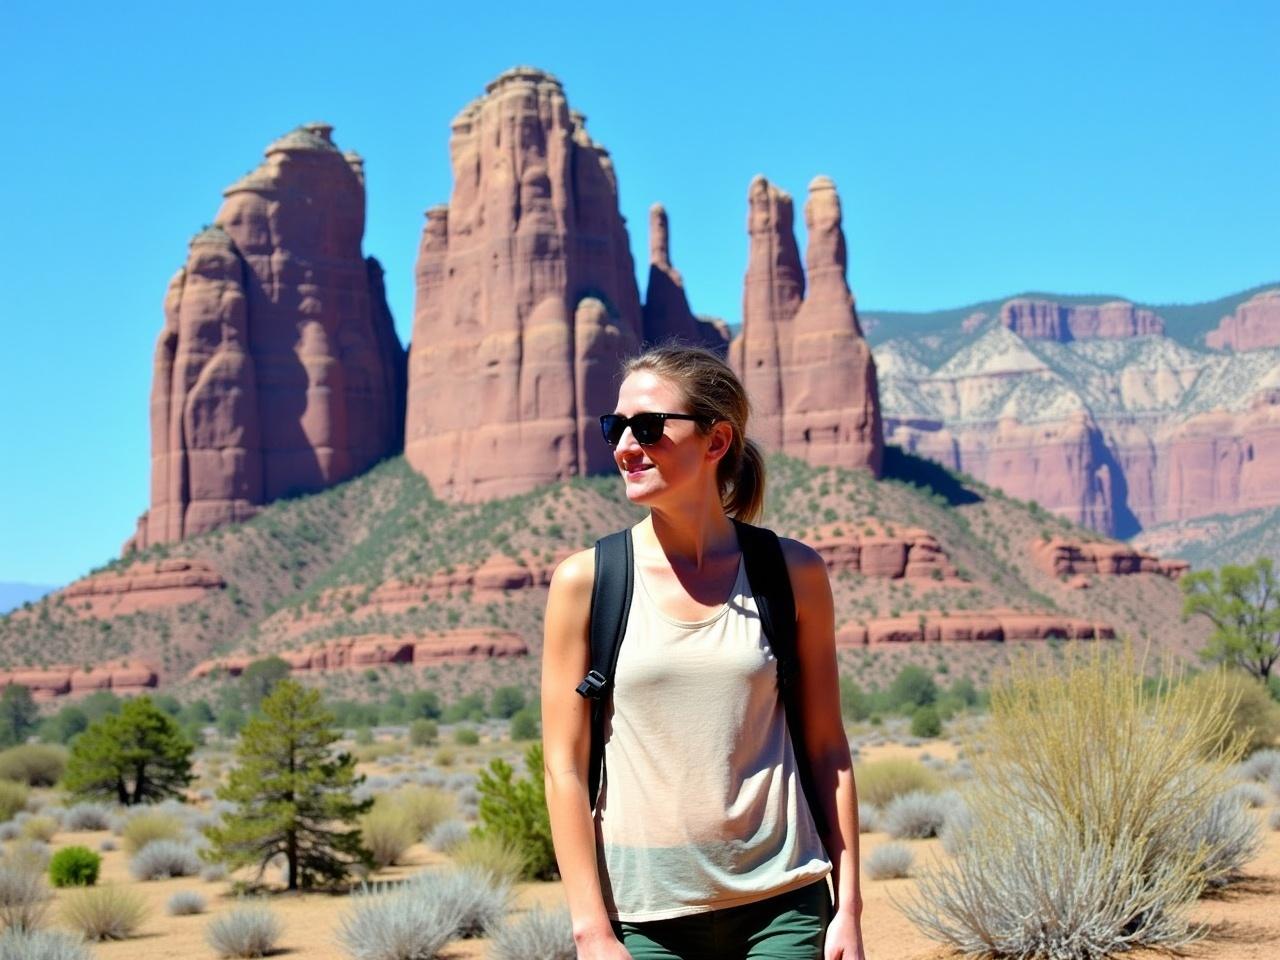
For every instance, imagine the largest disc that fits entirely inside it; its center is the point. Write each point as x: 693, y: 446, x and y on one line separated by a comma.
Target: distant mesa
x: 802, y: 355
x: 278, y: 370
x: 1253, y: 325
x: 1047, y: 320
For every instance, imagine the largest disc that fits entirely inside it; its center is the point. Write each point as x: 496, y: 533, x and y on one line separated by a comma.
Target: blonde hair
x: 713, y: 392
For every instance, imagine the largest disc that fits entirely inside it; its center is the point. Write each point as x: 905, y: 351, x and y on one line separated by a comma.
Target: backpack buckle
x: 592, y: 685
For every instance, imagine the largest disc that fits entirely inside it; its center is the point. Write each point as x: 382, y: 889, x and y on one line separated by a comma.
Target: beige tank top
x: 701, y: 807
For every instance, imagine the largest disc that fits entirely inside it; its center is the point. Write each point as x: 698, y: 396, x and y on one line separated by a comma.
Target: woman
x: 702, y: 843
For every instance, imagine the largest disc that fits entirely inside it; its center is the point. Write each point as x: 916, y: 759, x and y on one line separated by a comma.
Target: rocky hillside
x: 1096, y: 410
x: 378, y: 574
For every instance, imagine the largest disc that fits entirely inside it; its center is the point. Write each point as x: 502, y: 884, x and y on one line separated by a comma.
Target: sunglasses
x: 645, y: 427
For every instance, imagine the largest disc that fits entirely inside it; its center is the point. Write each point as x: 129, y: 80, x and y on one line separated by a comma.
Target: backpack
x: 771, y: 587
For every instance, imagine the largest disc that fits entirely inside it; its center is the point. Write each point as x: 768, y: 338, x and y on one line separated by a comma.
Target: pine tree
x: 138, y: 755
x: 292, y: 794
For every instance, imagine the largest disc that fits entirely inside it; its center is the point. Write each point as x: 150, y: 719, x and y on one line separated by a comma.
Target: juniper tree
x: 293, y: 795
x: 1243, y: 604
x: 138, y: 755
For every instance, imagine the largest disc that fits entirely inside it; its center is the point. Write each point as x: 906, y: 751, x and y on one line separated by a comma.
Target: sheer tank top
x: 701, y: 806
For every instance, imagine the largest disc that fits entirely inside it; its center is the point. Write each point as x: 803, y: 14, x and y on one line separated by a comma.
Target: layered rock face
x: 1254, y: 325
x: 801, y: 355
x: 666, y: 307
x: 526, y: 300
x: 278, y: 370
x: 1061, y: 557
x: 971, y: 626
x: 1047, y: 320
x: 143, y: 586
x: 1116, y: 434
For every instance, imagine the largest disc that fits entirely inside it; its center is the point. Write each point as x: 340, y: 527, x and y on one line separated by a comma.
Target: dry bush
x: 41, y: 828
x: 386, y: 832
x: 880, y: 781
x: 41, y: 945
x: 108, y: 912
x: 890, y: 861
x: 24, y: 898
x: 490, y: 854
x: 148, y: 826
x: 13, y: 799
x: 425, y: 807
x: 536, y: 935
x: 1092, y: 813
x: 35, y: 764
x: 1252, y: 715
x: 249, y: 931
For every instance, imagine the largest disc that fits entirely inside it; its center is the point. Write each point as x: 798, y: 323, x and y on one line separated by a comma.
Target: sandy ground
x: 1242, y: 924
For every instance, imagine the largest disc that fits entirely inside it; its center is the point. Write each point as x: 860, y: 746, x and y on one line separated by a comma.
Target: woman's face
x: 680, y: 462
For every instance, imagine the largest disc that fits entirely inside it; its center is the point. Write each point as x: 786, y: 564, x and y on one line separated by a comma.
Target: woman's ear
x: 721, y: 440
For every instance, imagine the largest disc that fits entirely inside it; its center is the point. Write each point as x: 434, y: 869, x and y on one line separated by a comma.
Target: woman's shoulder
x: 575, y: 574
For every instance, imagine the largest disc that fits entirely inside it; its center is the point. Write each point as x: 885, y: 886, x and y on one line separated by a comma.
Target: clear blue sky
x: 980, y: 149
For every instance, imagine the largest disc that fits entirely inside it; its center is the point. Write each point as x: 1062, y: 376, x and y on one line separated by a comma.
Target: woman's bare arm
x: 566, y: 738
x: 825, y: 742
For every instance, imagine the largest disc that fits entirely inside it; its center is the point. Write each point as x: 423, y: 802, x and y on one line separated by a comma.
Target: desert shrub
x: 185, y: 903
x: 29, y: 855
x: 917, y: 815
x: 1229, y: 834
x: 868, y: 818
x: 18, y: 944
x: 108, y: 844
x: 13, y: 798
x: 525, y: 725
x: 424, y: 807
x: 516, y: 812
x: 482, y: 898
x: 958, y: 823
x: 912, y: 687
x: 88, y: 816
x: 387, y: 832
x: 1251, y: 795
x: 246, y: 931
x: 108, y: 912
x: 41, y: 827
x: 492, y: 854
x: 74, y: 867
x: 889, y: 861
x: 1251, y: 712
x: 411, y: 923
x: 423, y: 732
x: 35, y: 764
x: 536, y: 935
x: 466, y: 737
x: 880, y: 781
x: 24, y: 898
x: 1261, y: 766
x: 446, y: 837
x: 1088, y: 786
x: 925, y: 722
x: 162, y: 859
x: 214, y: 872
x: 149, y: 826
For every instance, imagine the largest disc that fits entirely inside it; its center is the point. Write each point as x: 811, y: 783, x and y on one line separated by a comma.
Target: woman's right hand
x: 600, y: 945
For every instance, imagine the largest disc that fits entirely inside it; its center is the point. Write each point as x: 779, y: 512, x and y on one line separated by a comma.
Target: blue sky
x: 980, y: 149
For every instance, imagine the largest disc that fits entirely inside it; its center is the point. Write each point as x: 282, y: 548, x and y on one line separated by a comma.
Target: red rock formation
x: 872, y: 551
x: 1061, y: 557
x: 969, y: 626
x: 278, y: 370
x: 1253, y: 325
x: 142, y: 586
x: 526, y: 299
x: 666, y: 308
x: 801, y: 356
x: 375, y: 650
x: 1047, y: 320
x: 47, y: 683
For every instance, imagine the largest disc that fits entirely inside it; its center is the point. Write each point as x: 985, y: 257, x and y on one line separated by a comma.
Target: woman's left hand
x: 844, y: 938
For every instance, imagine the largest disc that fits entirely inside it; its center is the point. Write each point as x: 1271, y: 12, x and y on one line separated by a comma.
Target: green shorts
x: 791, y: 926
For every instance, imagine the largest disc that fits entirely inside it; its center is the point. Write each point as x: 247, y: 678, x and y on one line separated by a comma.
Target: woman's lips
x: 638, y: 469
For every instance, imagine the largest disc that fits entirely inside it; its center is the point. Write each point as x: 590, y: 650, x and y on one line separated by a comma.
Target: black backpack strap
x: 610, y: 605
x: 771, y: 586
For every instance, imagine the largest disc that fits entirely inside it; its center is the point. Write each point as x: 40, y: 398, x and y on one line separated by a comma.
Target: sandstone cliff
x: 666, y: 307
x: 278, y: 370
x: 801, y: 355
x: 1254, y: 325
x: 526, y: 299
x: 1047, y: 320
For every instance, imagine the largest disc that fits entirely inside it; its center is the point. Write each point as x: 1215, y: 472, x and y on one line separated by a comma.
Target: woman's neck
x: 691, y: 534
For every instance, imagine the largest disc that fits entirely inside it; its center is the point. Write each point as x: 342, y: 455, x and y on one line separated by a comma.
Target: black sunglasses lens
x: 647, y: 428
x: 612, y: 425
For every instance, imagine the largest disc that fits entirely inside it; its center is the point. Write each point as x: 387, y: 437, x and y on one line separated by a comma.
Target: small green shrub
x: 35, y: 764
x: 423, y: 732
x: 466, y: 737
x: 516, y: 812
x: 13, y: 798
x: 74, y: 867
x: 525, y: 725
x: 1254, y: 715
x: 925, y: 722
x: 880, y: 781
